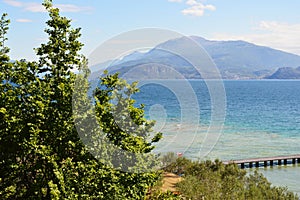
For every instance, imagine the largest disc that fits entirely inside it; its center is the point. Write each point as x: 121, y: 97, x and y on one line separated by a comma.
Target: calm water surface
x: 262, y: 119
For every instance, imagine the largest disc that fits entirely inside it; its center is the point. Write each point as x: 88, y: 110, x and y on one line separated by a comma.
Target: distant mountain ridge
x: 286, y: 73
x: 234, y: 59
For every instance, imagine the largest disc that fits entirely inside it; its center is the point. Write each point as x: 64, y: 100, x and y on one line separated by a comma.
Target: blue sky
x: 274, y: 23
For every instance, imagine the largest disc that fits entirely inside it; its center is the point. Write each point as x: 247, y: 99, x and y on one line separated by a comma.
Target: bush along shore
x: 214, y: 180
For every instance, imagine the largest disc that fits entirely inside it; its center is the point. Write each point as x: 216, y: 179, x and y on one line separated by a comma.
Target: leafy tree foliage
x: 3, y: 31
x: 123, y: 115
x: 41, y: 155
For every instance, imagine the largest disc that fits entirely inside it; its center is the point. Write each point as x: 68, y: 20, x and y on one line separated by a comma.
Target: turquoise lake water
x: 262, y: 119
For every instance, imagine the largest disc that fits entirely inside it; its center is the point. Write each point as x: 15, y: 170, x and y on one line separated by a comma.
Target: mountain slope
x: 236, y: 54
x: 286, y: 73
x: 234, y: 59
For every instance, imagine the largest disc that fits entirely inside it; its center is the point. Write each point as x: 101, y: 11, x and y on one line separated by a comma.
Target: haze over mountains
x: 234, y: 59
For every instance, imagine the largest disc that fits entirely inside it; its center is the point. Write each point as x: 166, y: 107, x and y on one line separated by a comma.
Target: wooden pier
x: 267, y: 161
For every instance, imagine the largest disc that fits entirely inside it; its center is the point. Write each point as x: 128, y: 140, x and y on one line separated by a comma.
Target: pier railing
x: 267, y: 161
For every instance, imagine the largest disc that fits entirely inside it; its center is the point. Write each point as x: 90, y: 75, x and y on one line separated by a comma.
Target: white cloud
x: 71, y: 8
x: 195, y: 8
x: 33, y: 7
x: 37, y: 7
x: 278, y: 35
x: 191, y: 2
x: 279, y: 27
x: 176, y: 1
x: 13, y: 3
x: 24, y: 20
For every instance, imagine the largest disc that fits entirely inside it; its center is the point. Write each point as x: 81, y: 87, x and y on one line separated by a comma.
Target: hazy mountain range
x: 286, y: 73
x: 234, y: 59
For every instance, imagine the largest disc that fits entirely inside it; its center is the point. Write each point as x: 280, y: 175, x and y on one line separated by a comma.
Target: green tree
x: 42, y: 156
x: 3, y: 31
x: 126, y: 128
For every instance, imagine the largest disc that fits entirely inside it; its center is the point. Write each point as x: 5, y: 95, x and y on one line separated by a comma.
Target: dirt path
x: 169, y: 182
